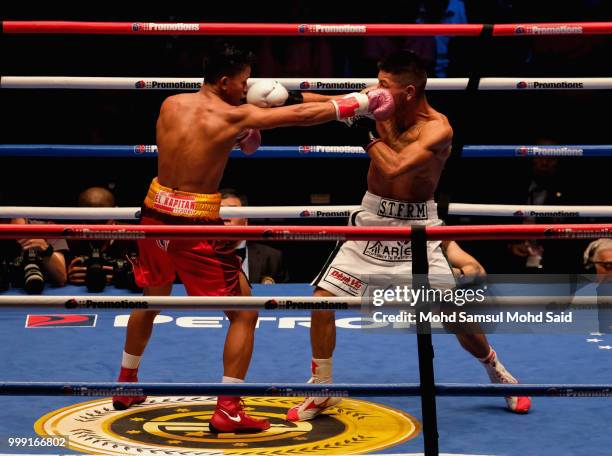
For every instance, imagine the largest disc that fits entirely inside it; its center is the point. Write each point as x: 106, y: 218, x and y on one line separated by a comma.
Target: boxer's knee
x: 245, y: 317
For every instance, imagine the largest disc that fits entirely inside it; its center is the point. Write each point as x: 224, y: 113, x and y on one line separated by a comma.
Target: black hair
x: 233, y: 193
x: 407, y: 65
x: 224, y: 59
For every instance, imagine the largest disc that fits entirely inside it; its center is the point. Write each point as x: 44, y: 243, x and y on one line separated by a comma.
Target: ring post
x: 420, y: 270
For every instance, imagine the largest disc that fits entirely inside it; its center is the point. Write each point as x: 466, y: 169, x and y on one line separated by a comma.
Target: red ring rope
x: 306, y: 233
x: 164, y: 28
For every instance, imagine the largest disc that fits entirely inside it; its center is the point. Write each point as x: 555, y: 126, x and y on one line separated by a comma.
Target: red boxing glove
x: 249, y: 140
x: 377, y: 102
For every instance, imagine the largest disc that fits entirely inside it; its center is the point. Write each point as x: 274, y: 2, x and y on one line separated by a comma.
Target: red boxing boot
x: 230, y: 416
x: 125, y: 402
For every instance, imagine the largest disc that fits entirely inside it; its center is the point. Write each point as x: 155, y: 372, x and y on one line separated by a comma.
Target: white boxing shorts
x: 355, y: 267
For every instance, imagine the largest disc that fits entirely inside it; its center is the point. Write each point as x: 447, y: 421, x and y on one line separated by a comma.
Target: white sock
x: 490, y: 357
x: 322, y: 370
x: 130, y: 361
x: 225, y: 379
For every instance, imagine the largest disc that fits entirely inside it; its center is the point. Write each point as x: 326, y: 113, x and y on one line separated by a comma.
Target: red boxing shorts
x: 206, y: 268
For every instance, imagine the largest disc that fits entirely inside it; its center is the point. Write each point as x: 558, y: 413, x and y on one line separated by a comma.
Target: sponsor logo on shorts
x: 176, y: 204
x: 345, y: 281
x: 305, y: 214
x: 162, y: 244
x: 305, y: 85
x: 549, y: 85
x: 392, y: 251
x: 402, y: 210
x: 549, y: 151
x: 561, y: 29
x: 519, y: 214
x: 61, y: 321
x: 174, y: 426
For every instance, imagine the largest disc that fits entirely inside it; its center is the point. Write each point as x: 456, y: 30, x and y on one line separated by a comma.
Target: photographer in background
x: 597, y: 259
x: 260, y: 263
x: 28, y: 263
x: 96, y: 264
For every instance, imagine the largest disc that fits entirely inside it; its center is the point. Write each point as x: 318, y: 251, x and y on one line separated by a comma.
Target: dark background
x: 128, y: 117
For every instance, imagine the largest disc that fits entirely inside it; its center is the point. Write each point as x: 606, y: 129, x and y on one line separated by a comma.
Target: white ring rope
x: 255, y: 212
x: 315, y: 84
x: 273, y: 302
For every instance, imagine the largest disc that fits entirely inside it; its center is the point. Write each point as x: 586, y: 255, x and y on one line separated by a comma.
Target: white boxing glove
x: 267, y: 93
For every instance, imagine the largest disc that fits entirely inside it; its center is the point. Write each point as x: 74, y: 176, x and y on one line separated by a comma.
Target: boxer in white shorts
x: 408, y: 153
x: 354, y: 265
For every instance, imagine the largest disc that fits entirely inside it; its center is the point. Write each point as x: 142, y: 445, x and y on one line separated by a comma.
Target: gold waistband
x: 183, y: 204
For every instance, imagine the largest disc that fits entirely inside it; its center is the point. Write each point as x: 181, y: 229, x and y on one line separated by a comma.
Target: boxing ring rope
x: 304, y: 212
x: 298, y: 389
x: 150, y: 150
x: 318, y: 84
x: 275, y: 303
x: 301, y: 29
x: 508, y: 151
x: 309, y: 233
x: 299, y: 151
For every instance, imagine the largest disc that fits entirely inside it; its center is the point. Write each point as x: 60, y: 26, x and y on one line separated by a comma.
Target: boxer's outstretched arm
x: 310, y: 97
x: 305, y: 114
x: 433, y: 138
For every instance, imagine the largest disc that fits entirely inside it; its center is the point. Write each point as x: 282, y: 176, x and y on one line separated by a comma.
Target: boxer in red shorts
x: 195, y: 134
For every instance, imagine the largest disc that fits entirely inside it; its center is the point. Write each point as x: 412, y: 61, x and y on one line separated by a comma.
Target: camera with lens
x: 95, y: 275
x: 25, y: 272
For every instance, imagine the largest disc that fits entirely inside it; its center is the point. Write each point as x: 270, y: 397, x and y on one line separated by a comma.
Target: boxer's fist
x: 364, y: 129
x: 377, y: 103
x: 249, y: 140
x: 267, y: 94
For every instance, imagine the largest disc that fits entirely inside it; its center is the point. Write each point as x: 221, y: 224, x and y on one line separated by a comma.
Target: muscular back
x: 420, y: 153
x: 195, y: 134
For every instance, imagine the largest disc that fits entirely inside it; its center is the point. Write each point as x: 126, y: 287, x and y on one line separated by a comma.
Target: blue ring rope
x: 298, y: 389
x: 149, y: 151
